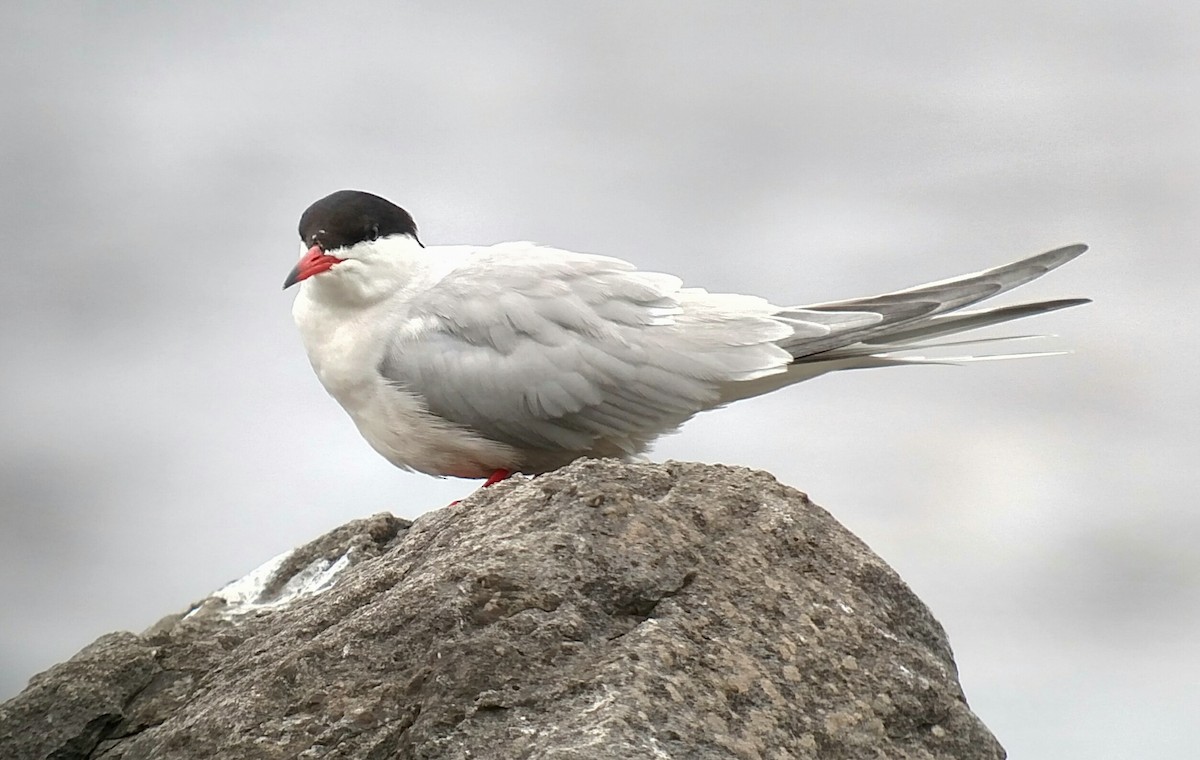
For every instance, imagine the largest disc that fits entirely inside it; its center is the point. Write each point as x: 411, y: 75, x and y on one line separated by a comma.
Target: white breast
x: 346, y: 339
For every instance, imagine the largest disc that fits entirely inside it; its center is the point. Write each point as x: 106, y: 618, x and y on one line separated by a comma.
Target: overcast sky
x: 162, y: 433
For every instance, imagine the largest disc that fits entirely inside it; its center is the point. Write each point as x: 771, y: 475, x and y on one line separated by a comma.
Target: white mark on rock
x: 249, y: 593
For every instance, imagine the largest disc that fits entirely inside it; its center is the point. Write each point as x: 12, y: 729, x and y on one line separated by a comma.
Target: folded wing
x: 548, y: 350
x: 545, y: 349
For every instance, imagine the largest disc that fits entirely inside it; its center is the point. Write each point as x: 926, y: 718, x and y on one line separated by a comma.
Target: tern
x: 483, y: 361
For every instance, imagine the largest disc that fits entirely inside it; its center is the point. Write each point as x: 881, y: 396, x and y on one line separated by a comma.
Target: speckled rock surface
x: 601, y: 611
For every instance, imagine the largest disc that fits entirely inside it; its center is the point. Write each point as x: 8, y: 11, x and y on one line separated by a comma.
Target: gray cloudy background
x: 162, y: 432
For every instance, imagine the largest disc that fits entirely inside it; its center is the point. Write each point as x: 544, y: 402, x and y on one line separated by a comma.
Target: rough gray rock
x: 601, y: 611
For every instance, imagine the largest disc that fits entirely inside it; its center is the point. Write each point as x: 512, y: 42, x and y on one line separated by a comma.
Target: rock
x: 601, y: 611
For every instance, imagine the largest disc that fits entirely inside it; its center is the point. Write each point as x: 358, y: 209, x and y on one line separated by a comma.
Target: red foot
x: 495, y: 478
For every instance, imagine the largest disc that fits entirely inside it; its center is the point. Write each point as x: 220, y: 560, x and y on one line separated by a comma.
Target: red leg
x: 495, y: 478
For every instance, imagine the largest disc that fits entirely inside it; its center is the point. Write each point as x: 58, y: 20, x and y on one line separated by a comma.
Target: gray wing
x: 550, y: 350
x: 907, y: 316
x: 545, y: 349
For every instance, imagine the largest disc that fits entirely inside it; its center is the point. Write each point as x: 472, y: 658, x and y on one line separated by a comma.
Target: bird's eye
x: 374, y: 232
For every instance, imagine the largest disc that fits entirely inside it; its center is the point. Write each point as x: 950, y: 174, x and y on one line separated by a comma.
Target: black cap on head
x: 351, y: 216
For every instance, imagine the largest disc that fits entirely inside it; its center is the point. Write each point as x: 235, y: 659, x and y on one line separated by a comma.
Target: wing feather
x: 916, y: 311
x: 544, y: 349
x: 552, y: 351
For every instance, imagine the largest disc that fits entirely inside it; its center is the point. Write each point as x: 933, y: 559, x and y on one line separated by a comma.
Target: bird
x: 485, y: 361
